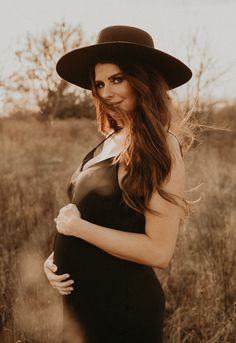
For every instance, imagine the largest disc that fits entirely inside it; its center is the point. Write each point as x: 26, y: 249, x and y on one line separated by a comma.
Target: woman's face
x: 112, y: 86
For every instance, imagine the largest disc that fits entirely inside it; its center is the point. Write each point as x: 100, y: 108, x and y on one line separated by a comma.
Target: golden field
x: 37, y: 160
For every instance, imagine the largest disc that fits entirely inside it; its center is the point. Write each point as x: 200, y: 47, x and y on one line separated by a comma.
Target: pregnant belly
x: 71, y: 254
x: 92, y: 265
x: 99, y: 277
x: 77, y: 257
x: 107, y: 284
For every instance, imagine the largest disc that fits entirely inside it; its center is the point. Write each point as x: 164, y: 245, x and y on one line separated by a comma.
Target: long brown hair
x: 147, y: 156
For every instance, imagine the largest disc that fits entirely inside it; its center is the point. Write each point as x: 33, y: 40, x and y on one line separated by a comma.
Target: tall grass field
x: 37, y: 161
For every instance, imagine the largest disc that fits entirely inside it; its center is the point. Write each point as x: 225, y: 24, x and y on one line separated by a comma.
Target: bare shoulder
x: 174, y: 185
x: 176, y: 178
x: 174, y: 146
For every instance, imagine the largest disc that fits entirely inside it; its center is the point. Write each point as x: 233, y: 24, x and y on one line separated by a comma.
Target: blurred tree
x: 206, y: 74
x: 196, y: 99
x: 35, y: 84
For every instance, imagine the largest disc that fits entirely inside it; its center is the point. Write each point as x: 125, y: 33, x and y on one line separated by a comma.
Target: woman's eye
x: 99, y: 85
x: 118, y: 79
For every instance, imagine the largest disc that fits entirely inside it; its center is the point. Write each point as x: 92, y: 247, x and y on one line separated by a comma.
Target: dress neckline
x: 90, y: 154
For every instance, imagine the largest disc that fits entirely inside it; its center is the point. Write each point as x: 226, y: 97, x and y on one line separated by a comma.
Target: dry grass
x: 37, y: 160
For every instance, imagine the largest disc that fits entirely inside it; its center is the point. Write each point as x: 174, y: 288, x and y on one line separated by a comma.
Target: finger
x: 50, y: 257
x: 59, y: 225
x: 49, y: 265
x: 65, y: 208
x: 70, y: 206
x: 64, y: 289
x: 58, y: 278
x: 68, y: 283
x: 57, y: 219
x: 52, y: 267
x: 64, y: 284
x: 64, y: 293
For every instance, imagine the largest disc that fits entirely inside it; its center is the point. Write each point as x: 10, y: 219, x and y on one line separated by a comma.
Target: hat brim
x: 75, y: 66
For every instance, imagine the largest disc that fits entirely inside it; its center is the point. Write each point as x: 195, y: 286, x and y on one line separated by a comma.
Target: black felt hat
x: 116, y: 43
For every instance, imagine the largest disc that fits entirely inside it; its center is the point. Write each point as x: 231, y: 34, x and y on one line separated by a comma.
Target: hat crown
x: 127, y: 34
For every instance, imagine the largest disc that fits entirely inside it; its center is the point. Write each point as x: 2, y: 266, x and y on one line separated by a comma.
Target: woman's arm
x: 156, y: 246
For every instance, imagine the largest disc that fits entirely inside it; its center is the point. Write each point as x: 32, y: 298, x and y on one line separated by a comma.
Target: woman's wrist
x: 80, y: 228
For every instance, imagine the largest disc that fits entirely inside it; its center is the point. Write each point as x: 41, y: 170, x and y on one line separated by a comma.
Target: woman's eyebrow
x: 111, y: 77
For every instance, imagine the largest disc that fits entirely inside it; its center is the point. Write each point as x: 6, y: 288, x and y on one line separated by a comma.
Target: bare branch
x: 36, y: 72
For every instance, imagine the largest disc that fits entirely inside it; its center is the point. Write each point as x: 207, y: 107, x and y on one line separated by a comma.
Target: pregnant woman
x: 126, y: 198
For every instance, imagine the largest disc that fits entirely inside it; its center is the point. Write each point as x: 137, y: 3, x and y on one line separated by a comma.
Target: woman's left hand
x: 68, y: 220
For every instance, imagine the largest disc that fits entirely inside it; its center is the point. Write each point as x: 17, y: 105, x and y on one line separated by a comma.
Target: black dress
x: 114, y: 300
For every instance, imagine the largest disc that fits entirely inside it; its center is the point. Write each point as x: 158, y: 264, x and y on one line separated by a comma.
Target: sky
x: 170, y: 22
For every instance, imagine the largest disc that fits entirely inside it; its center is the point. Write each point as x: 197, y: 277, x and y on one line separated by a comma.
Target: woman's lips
x: 116, y: 103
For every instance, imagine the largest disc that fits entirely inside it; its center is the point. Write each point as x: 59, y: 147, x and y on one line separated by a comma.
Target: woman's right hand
x: 59, y: 282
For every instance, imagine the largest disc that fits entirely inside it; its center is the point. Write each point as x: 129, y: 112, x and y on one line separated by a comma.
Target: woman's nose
x: 107, y: 92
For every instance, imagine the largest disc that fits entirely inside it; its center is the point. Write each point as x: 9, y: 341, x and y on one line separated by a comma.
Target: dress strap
x: 180, y: 146
x: 111, y: 134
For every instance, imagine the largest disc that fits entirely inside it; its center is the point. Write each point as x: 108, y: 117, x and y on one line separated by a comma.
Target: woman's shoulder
x: 177, y: 174
x: 174, y: 146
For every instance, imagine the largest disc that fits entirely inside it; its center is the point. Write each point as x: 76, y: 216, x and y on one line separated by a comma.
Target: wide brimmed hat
x: 121, y: 43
